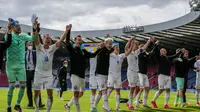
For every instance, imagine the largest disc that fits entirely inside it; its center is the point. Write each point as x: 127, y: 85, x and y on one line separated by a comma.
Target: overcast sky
x: 93, y: 14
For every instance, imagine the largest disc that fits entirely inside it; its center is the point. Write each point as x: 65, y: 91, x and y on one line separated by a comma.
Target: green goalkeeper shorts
x: 180, y: 83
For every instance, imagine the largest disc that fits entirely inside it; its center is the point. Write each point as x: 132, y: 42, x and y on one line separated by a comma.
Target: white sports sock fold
x: 97, y: 99
x: 156, y: 96
x: 167, y: 96
x: 145, y: 98
x: 117, y: 101
x: 76, y: 102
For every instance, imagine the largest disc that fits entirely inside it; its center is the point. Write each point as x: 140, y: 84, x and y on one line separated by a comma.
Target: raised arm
x: 172, y: 57
x: 156, y: 50
x: 68, y: 28
x: 91, y: 55
x: 9, y: 34
x: 68, y: 44
x: 151, y: 39
x: 129, y: 46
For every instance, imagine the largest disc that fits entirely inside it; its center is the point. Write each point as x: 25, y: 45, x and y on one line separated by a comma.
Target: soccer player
x: 102, y: 68
x: 15, y: 64
x: 189, y: 65
x: 114, y: 77
x: 179, y: 64
x: 197, y: 66
x: 142, y: 73
x: 5, y: 44
x: 43, y: 71
x: 132, y: 74
x: 62, y: 78
x: 164, y: 78
x: 78, y: 59
x: 93, y: 82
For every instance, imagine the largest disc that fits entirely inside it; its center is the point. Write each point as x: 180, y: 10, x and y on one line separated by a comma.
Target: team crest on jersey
x: 75, y: 87
x: 21, y: 37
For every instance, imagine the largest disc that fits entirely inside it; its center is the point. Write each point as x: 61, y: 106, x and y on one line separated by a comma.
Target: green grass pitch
x: 58, y: 106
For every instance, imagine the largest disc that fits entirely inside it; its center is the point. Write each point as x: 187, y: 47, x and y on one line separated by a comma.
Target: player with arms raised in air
x: 132, y: 73
x: 78, y: 57
x: 43, y: 71
x: 15, y: 63
x: 164, y: 78
x: 114, y: 77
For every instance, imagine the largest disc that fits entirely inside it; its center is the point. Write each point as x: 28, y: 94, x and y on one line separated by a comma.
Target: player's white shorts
x: 198, y: 80
x: 93, y: 81
x: 102, y: 81
x: 40, y: 81
x: 133, y: 78
x: 114, y: 81
x: 164, y: 81
x: 144, y: 81
x: 78, y: 84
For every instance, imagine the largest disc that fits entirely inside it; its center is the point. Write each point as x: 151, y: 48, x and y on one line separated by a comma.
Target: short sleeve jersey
x: 93, y: 63
x: 43, y: 66
x: 116, y: 64
x: 15, y: 54
x: 133, y: 61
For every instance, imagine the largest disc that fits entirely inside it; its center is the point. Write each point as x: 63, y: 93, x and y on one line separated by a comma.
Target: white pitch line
x: 51, y: 110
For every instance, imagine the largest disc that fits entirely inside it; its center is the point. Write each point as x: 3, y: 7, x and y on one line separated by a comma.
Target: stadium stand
x: 177, y: 33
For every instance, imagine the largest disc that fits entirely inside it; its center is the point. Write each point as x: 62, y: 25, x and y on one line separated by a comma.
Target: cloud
x: 93, y: 14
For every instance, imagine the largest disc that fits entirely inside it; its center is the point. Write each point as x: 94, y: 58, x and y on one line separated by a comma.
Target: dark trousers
x: 29, y: 81
x: 184, y: 90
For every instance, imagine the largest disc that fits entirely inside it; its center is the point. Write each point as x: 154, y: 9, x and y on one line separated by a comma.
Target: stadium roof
x: 180, y: 32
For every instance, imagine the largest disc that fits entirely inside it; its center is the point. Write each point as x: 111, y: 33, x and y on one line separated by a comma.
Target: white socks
x: 167, y: 98
x: 130, y: 98
x: 105, y: 102
x: 197, y: 96
x: 117, y: 101
x: 36, y: 100
x: 97, y: 99
x: 145, y: 98
x: 92, y: 99
x: 49, y: 103
x: 76, y: 102
x: 156, y: 96
x: 138, y: 97
x: 70, y: 102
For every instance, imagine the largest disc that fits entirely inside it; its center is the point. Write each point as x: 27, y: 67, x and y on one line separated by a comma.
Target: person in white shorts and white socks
x: 78, y: 57
x: 43, y: 71
x: 132, y: 74
x: 164, y: 78
x: 102, y: 73
x: 114, y: 76
x: 93, y: 82
x: 197, y: 66
x: 142, y: 73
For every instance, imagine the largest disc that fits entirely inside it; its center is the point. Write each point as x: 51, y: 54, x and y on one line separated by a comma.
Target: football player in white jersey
x: 132, y: 74
x: 93, y: 82
x: 114, y: 77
